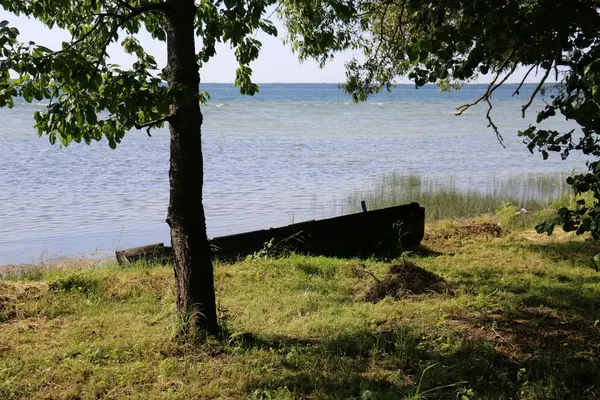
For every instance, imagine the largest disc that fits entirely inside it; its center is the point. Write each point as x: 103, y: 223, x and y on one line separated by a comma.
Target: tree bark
x: 192, y: 262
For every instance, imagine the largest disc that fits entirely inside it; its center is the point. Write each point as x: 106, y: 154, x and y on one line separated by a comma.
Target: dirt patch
x: 467, y: 230
x: 530, y: 331
x: 403, y: 280
x: 4, y: 349
x: 14, y: 293
x: 482, y: 229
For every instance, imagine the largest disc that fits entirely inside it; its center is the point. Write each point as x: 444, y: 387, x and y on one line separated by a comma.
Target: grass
x: 539, y: 194
x: 522, y: 322
x: 34, y: 272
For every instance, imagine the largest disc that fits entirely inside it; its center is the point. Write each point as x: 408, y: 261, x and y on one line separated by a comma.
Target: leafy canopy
x: 449, y: 42
x: 90, y: 98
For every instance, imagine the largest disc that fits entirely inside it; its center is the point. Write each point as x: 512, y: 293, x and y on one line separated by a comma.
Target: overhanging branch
x: 126, y: 5
x: 152, y: 124
x: 488, y: 93
x: 492, y: 86
x: 488, y: 115
x: 118, y: 22
x: 537, y: 89
x: 134, y: 13
x: 161, y: 6
x: 517, y: 90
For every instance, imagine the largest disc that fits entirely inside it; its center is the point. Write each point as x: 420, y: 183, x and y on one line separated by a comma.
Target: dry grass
x: 36, y: 271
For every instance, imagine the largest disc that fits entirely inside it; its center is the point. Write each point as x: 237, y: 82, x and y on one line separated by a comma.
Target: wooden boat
x: 356, y: 235
x: 361, y: 234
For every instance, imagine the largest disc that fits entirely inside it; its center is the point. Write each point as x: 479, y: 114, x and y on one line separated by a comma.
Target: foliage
x: 88, y: 97
x: 75, y: 282
x: 449, y: 42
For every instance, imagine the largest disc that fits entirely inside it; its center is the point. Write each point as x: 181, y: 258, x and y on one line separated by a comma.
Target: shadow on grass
x: 388, y: 365
x: 530, y: 350
x: 422, y: 251
x: 376, y: 365
x: 571, y: 296
x: 578, y: 253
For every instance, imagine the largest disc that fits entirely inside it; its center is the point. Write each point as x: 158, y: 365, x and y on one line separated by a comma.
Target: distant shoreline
x: 340, y: 83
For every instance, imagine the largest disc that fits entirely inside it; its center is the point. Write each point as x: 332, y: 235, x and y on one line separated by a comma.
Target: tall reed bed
x: 446, y: 198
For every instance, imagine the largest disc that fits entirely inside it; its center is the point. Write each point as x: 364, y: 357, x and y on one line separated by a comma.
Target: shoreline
x: 61, y: 263
x: 519, y: 202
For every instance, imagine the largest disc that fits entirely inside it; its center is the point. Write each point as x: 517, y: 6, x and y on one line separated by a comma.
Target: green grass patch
x: 521, y: 321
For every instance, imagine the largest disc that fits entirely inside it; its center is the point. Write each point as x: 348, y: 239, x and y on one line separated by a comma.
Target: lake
x: 286, y: 155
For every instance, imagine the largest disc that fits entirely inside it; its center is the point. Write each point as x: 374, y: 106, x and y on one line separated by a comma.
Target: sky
x: 276, y: 63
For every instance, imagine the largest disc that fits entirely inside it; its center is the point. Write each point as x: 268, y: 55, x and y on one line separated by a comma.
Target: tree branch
x: 137, y: 11
x: 488, y: 115
x: 123, y: 20
x: 513, y: 69
x: 161, y: 6
x: 152, y: 124
x: 488, y: 93
x: 126, y: 5
x: 517, y: 90
x: 535, y: 92
x: 492, y: 86
x: 81, y: 39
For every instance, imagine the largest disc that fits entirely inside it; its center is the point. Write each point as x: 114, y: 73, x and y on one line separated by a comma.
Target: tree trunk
x: 192, y: 262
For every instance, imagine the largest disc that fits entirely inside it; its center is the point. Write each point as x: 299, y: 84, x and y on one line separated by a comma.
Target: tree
x: 89, y: 98
x: 449, y: 42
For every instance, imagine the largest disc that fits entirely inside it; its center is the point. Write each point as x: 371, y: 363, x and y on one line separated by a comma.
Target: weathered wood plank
x: 362, y: 234
x: 151, y: 252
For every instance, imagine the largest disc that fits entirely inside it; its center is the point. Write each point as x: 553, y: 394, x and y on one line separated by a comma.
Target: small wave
x: 456, y: 113
x: 20, y: 102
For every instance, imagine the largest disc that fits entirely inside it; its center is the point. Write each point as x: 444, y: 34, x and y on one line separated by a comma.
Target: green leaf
x: 597, y: 266
x: 545, y: 227
x: 90, y: 115
x: 27, y: 94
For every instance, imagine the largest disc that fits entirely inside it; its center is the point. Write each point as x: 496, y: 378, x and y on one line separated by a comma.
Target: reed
x: 447, y: 198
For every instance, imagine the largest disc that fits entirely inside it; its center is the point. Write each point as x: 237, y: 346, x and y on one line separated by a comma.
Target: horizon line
x: 341, y: 83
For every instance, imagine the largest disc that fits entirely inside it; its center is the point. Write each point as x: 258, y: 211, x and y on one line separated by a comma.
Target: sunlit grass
x: 521, y: 323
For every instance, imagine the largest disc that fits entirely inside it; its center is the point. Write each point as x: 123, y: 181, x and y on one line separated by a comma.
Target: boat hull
x: 362, y: 234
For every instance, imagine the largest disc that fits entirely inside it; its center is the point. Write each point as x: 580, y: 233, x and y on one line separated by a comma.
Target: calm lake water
x: 284, y: 155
